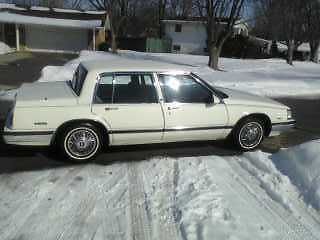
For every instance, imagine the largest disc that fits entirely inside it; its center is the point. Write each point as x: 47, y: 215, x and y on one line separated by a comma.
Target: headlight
x: 289, y: 114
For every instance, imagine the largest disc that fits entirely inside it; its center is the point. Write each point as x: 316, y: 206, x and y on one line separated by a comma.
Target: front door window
x: 183, y: 89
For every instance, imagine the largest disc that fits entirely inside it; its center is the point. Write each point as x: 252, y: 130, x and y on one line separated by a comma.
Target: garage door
x: 59, y: 39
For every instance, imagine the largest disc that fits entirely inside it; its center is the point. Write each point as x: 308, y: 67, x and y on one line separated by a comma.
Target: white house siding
x: 49, y: 38
x: 192, y: 39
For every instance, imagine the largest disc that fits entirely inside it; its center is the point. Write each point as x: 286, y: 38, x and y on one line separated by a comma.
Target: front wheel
x: 249, y: 134
x: 81, y: 143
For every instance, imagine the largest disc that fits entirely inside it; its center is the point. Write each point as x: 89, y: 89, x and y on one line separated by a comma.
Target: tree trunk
x: 290, y: 44
x: 214, y: 56
x: 114, y: 45
x: 314, y: 50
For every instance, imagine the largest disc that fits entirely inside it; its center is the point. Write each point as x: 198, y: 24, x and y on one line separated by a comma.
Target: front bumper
x: 278, y: 128
x: 27, y: 138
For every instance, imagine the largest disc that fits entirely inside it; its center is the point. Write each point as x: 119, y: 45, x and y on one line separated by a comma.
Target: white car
x: 137, y: 102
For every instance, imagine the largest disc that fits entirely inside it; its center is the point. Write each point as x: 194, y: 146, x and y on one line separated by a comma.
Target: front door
x: 129, y: 104
x: 192, y: 112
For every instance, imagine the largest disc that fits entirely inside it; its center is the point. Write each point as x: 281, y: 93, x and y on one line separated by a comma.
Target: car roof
x: 132, y: 65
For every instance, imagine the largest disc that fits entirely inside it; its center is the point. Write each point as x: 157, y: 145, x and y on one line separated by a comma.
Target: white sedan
x: 137, y: 102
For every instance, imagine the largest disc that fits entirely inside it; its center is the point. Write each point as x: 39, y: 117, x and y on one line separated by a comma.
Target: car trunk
x: 46, y: 94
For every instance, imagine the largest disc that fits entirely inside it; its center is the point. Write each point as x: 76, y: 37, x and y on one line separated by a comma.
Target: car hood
x: 46, y: 94
x: 242, y: 98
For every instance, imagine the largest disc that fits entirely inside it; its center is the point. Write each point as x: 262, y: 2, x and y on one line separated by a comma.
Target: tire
x: 248, y: 134
x: 80, y: 143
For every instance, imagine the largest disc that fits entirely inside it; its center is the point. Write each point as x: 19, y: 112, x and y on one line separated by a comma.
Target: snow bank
x: 302, y: 165
x: 270, y: 178
x: 4, y: 48
x: 295, y: 170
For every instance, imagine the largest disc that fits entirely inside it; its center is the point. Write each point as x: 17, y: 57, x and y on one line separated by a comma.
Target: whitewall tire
x: 81, y: 143
x: 249, y: 134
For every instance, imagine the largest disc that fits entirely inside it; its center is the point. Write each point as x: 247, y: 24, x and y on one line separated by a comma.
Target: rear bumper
x: 278, y: 128
x: 25, y: 138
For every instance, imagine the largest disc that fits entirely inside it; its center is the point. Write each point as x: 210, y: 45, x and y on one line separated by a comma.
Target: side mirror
x: 209, y: 99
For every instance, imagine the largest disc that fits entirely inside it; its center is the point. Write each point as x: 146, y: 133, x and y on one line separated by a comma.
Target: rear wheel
x: 81, y: 143
x: 249, y: 134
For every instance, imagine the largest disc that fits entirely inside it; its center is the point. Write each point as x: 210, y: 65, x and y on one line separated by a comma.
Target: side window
x: 78, y: 79
x: 182, y: 88
x: 104, y: 92
x: 126, y: 88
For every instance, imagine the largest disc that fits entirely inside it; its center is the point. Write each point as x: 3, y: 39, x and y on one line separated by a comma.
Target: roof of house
x: 39, y: 11
x: 132, y: 65
x: 15, y: 18
x: 11, y: 13
x: 192, y: 19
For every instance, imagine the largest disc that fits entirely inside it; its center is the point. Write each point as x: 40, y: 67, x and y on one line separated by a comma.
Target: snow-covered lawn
x: 267, y: 77
x: 155, y: 196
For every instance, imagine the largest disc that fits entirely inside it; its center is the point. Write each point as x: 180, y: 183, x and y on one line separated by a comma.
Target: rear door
x: 129, y: 103
x: 191, y: 110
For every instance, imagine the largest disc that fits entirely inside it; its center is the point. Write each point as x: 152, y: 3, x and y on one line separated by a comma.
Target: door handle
x: 173, y: 108
x: 111, y: 108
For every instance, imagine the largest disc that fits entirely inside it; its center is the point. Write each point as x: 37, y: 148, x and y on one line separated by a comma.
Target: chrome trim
x: 28, y: 140
x: 168, y: 130
x: 278, y: 128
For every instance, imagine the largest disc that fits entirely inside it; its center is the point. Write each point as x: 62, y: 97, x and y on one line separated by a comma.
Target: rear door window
x: 126, y: 88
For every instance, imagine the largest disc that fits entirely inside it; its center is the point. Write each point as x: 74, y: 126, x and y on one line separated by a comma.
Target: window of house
x: 178, y: 28
x: 126, y: 88
x: 177, y: 48
x: 183, y: 89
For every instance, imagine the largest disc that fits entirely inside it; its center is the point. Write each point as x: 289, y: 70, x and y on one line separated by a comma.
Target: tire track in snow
x: 18, y: 220
x: 165, y: 213
x: 91, y: 212
x: 297, y: 229
x: 140, y: 226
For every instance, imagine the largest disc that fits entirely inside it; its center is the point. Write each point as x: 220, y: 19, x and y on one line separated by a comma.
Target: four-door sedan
x: 137, y: 102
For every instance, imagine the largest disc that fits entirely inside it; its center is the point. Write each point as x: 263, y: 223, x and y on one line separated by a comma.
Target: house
x: 49, y: 29
x: 189, y: 35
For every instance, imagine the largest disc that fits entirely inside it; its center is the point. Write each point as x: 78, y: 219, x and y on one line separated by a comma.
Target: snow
x: 302, y: 165
x: 15, y: 18
x: 11, y: 6
x: 4, y: 48
x: 265, y: 77
x: 175, y: 194
x: 160, y: 194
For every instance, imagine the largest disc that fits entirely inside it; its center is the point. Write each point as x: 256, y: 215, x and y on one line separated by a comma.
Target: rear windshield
x: 78, y: 79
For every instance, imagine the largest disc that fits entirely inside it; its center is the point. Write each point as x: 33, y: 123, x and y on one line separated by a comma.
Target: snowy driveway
x: 172, y: 192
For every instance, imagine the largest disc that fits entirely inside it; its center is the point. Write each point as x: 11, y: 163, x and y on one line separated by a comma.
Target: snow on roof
x: 39, y: 8
x: 45, y: 21
x: 11, y: 6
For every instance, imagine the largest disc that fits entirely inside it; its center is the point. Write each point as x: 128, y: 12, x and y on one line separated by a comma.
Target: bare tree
x: 162, y: 5
x: 221, y: 17
x: 312, y: 13
x: 180, y: 8
x: 117, y: 13
x: 75, y: 4
x: 284, y: 21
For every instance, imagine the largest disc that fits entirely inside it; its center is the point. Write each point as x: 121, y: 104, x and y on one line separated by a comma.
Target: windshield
x: 78, y: 79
